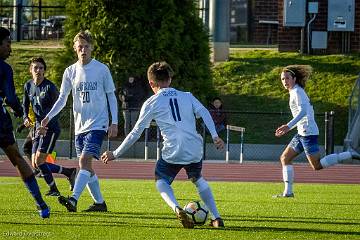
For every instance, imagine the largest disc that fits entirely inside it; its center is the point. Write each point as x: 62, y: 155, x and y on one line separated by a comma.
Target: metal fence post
x: 329, y: 132
x: 146, y: 144
x: 70, y: 134
x: 227, y: 143
x: 241, y: 146
x: 157, y: 143
x: 204, y: 141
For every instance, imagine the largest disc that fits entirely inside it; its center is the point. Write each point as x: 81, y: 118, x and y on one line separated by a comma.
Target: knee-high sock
x: 54, y: 168
x: 167, y: 193
x: 81, y: 180
x: 33, y: 187
x: 94, y: 189
x: 206, y: 196
x: 288, y: 178
x: 60, y: 169
x: 46, y: 172
x: 335, y: 158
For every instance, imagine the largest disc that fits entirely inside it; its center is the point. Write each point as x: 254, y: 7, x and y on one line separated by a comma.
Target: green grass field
x: 136, y: 211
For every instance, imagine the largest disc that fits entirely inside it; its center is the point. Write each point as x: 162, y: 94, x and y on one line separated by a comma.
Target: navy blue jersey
x: 42, y: 98
x: 7, y: 96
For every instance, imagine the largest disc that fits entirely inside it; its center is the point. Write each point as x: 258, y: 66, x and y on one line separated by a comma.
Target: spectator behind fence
x: 218, y: 114
x: 132, y: 95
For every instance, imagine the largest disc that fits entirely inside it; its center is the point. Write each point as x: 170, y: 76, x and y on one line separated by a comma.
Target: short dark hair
x: 38, y: 59
x: 160, y: 72
x: 4, y: 33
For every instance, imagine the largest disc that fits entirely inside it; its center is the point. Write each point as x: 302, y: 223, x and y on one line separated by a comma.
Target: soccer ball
x: 197, y: 211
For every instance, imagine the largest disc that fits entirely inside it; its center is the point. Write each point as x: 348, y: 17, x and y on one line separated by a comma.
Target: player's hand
x: 219, y: 143
x: 45, y: 122
x: 107, y: 157
x: 280, y: 131
x: 42, y: 130
x: 28, y: 123
x: 113, y: 130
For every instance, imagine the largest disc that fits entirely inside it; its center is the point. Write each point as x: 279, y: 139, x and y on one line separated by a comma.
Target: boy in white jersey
x: 92, y: 86
x: 293, y: 78
x: 174, y: 112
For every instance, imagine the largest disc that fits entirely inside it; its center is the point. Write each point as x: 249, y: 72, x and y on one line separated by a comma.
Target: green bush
x: 131, y: 34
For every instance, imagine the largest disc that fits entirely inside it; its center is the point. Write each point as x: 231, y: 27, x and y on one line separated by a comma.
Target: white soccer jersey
x: 303, y: 112
x: 89, y: 84
x: 174, y: 112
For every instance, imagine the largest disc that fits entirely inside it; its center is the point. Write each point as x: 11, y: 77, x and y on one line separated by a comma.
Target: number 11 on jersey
x: 175, y: 109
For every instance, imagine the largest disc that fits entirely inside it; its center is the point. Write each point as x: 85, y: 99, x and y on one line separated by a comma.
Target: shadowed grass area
x: 136, y: 211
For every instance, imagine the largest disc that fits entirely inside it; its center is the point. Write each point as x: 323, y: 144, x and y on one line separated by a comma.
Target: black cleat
x: 72, y: 178
x: 217, y: 223
x: 53, y: 193
x: 184, y: 218
x: 97, y: 207
x: 68, y: 202
x: 288, y: 195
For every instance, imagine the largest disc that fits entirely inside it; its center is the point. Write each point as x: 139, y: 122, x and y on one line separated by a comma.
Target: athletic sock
x: 33, y: 187
x: 54, y: 168
x: 206, y: 196
x: 167, y: 193
x: 335, y: 158
x: 94, y: 189
x: 288, y: 178
x: 60, y: 169
x: 46, y: 172
x: 81, y: 180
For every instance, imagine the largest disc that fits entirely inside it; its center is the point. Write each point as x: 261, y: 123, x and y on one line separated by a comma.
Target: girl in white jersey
x: 293, y: 78
x: 174, y: 112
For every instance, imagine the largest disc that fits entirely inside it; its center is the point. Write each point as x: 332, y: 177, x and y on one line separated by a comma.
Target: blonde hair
x: 301, y: 72
x: 160, y: 72
x: 86, y: 35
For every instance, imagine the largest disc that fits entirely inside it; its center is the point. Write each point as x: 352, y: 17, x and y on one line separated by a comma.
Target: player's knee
x: 201, y: 184
x: 284, y: 160
x: 317, y: 167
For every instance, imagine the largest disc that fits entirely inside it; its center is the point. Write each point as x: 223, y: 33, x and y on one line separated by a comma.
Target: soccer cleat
x: 68, y: 202
x: 217, y: 223
x: 45, y: 212
x: 72, y: 178
x: 288, y: 195
x: 354, y: 154
x: 185, y: 219
x: 53, y: 193
x: 97, y: 207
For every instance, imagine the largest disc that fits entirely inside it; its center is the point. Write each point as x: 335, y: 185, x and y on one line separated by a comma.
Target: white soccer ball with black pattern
x: 197, y: 211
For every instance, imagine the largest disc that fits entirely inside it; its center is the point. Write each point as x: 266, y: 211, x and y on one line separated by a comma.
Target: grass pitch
x: 136, y: 211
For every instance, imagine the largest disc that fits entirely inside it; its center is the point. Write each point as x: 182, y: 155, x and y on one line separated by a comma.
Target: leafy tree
x: 132, y: 34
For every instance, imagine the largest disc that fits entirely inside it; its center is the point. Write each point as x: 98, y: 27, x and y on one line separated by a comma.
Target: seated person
x: 218, y: 114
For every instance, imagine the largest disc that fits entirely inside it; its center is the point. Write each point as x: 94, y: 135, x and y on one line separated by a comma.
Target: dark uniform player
x: 42, y: 94
x: 7, y: 140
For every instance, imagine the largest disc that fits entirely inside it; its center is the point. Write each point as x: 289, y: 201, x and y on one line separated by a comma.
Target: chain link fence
x: 259, y: 141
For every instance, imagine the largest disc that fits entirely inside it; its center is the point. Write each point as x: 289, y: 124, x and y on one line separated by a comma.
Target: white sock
x: 94, y: 189
x: 167, y: 193
x: 81, y: 180
x: 288, y: 178
x: 335, y: 158
x: 206, y: 196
